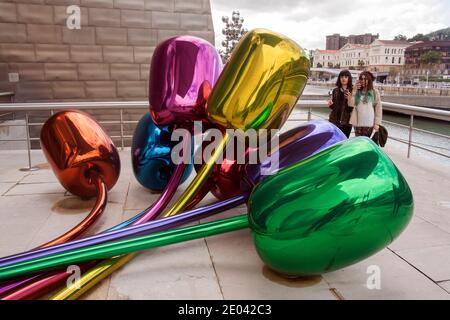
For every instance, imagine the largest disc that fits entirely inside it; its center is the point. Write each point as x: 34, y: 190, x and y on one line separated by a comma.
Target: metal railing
x: 409, y: 110
x: 307, y: 105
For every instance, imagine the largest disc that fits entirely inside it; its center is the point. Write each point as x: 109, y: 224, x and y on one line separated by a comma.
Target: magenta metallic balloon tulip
x: 183, y: 71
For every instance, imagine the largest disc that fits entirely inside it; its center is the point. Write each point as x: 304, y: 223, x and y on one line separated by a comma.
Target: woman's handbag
x: 380, y: 137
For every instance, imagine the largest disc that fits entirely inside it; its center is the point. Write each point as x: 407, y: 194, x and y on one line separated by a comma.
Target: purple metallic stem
x: 150, y: 213
x: 14, y: 284
x: 153, y: 226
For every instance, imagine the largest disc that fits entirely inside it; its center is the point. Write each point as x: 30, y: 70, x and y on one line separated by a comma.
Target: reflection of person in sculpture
x: 367, y: 113
x: 338, y: 102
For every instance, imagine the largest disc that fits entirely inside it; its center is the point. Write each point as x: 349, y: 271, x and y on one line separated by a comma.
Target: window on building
x: 388, y: 51
x: 393, y: 60
x: 399, y: 60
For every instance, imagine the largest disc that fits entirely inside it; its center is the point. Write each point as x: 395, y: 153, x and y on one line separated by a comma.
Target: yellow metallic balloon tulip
x: 261, y: 84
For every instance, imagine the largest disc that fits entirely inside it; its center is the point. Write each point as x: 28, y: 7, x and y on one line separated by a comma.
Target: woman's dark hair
x: 344, y: 73
x: 369, y: 76
x: 370, y: 92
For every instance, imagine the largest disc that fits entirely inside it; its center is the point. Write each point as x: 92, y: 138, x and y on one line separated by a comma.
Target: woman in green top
x: 367, y: 112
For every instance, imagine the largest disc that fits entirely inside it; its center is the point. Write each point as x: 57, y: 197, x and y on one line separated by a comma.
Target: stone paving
x: 34, y: 208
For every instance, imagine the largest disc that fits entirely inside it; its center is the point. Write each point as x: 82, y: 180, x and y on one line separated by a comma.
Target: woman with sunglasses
x: 367, y: 112
x: 338, y: 102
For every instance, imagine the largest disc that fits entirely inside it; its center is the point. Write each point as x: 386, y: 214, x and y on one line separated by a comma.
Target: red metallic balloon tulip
x: 77, y: 149
x: 225, y: 179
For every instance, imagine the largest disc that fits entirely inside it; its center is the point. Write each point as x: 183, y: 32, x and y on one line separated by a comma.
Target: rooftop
x: 427, y: 44
x: 327, y: 51
x: 36, y: 208
x: 355, y: 46
x: 394, y: 42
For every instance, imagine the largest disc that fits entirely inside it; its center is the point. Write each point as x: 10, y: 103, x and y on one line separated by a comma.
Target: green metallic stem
x: 120, y: 247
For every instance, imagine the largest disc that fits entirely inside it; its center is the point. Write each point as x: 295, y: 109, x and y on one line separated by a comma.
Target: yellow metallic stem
x: 107, y: 267
x: 197, y: 183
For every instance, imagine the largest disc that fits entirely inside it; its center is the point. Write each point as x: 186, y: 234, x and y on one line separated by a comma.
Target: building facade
x: 387, y: 55
x: 336, y: 41
x: 325, y: 58
x: 354, y: 56
x: 415, y: 67
x: 366, y: 38
x: 379, y: 56
x: 108, y: 58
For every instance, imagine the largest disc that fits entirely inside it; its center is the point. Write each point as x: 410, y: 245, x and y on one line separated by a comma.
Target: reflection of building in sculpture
x: 107, y: 59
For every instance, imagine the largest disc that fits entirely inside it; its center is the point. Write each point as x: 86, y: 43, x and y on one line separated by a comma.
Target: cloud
x: 308, y: 22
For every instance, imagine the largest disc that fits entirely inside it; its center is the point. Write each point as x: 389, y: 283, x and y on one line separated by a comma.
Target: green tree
x: 319, y: 65
x: 419, y: 37
x: 361, y: 64
x: 400, y: 37
x: 337, y: 65
x: 311, y: 56
x: 431, y: 57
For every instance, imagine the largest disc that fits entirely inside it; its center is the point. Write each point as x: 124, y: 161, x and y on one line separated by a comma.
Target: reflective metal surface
x: 349, y: 202
x: 151, y: 155
x: 294, y: 145
x: 331, y: 210
x: 229, y: 179
x: 182, y: 73
x: 86, y: 163
x: 260, y: 85
x: 74, y: 145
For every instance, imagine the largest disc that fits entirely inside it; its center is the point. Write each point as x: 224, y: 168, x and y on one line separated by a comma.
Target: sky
x: 309, y: 21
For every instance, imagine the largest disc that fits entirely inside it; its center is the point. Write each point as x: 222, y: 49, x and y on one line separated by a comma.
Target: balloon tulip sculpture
x: 86, y: 163
x: 318, y: 215
x: 186, y: 67
x: 329, y: 203
x: 296, y: 144
x: 258, y: 88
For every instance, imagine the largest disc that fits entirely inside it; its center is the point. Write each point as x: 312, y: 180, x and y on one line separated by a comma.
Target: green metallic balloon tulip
x: 321, y: 214
x: 346, y: 203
